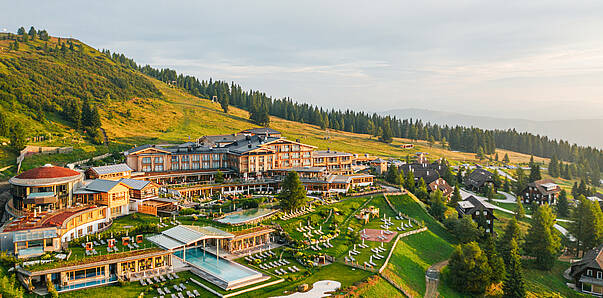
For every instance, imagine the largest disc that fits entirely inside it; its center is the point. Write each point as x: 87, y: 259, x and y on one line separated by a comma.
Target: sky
x: 539, y: 60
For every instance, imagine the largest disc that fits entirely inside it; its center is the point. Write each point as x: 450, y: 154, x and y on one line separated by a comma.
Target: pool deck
x: 251, y: 219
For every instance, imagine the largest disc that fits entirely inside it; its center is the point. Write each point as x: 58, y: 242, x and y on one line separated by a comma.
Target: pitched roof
x: 478, y: 177
x: 478, y: 204
x: 261, y: 131
x: 442, y: 185
x: 545, y: 186
x: 110, y: 169
x: 591, y: 259
x: 101, y: 185
x: 134, y: 183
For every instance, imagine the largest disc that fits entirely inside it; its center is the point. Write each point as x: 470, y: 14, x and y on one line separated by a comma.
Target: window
x: 158, y: 159
x: 206, y: 165
x: 599, y: 274
x: 158, y: 168
x: 185, y: 166
x: 589, y: 272
x: 195, y: 157
x: 294, y: 147
x: 146, y: 168
x: 295, y: 155
x: 146, y: 160
x: 175, y: 166
x: 174, y: 158
x: 216, y: 157
x: 89, y: 229
x: 195, y: 166
x: 215, y: 164
x: 185, y: 158
x: 205, y: 157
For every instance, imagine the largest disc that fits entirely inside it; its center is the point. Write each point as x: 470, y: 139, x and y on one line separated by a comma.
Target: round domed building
x: 45, y: 188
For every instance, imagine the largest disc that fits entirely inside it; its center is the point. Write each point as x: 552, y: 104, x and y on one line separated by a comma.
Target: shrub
x: 51, y: 289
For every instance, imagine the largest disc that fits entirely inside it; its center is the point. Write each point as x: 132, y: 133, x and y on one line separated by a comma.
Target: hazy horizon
x: 536, y: 61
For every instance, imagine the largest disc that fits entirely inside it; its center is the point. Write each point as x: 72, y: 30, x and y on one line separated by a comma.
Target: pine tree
x: 32, y: 33
x: 437, y: 207
x: 468, y: 269
x: 514, y: 284
x: 542, y: 240
x: 511, y: 233
x: 219, y: 177
x: 409, y: 182
x: 587, y: 224
x: 224, y: 104
x: 506, y: 158
x: 293, y: 193
x: 554, y: 167
x: 562, y: 206
x: 534, y: 173
x: 520, y: 212
x: 456, y: 197
x: 497, y: 266
x: 21, y: 31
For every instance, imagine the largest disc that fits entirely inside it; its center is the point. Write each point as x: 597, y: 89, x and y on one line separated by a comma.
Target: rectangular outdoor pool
x: 225, y: 270
x: 243, y: 217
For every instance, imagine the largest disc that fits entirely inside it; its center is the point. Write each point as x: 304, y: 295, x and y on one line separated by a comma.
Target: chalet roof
x: 478, y: 178
x: 545, y: 186
x: 184, y: 234
x: 478, y: 204
x: 249, y: 144
x: 111, y: 169
x: 442, y: 185
x: 592, y: 259
x: 307, y: 169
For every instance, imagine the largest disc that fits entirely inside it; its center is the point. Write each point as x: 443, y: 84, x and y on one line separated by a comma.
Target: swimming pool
x: 242, y: 217
x: 227, y: 271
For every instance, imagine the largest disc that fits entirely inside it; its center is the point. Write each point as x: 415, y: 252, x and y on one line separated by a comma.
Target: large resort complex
x: 67, y: 223
x: 206, y: 218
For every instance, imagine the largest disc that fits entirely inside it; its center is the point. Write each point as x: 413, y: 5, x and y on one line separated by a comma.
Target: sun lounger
x: 166, y: 290
x: 95, y: 243
x: 162, y: 278
x: 136, y: 245
x: 352, y: 258
x: 290, y: 269
x: 149, y: 281
x: 176, y: 275
x: 103, y: 242
x: 143, y: 283
x: 174, y: 296
x: 88, y: 253
x: 177, y: 288
x: 160, y: 291
x: 169, y: 276
x: 180, y: 295
x: 347, y: 259
x: 189, y: 294
x: 196, y: 293
x: 277, y: 272
x: 115, y: 248
x: 156, y: 279
x: 182, y: 286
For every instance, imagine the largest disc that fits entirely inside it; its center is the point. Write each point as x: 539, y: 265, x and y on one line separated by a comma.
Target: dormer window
x: 599, y: 275
x: 589, y: 272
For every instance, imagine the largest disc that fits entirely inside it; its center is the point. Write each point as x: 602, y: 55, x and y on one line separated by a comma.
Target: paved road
x: 466, y: 193
x: 509, y: 198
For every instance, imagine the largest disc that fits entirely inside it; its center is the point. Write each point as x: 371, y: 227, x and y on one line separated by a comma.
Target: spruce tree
x: 468, y: 269
x: 586, y: 225
x: 497, y: 266
x: 511, y: 233
x: 514, y: 284
x: 542, y: 240
x: 293, y: 193
x: 506, y: 158
x: 562, y: 206
x: 456, y: 197
x: 534, y: 173
x: 409, y: 182
x: 520, y: 212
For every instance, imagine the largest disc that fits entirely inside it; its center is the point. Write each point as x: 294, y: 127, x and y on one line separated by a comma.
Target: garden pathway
x: 432, y: 279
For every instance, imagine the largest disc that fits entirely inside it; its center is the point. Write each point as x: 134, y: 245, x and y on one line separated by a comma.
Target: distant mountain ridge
x: 586, y: 132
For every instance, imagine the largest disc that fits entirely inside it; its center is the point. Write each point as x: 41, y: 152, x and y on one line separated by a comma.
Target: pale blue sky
x: 501, y: 59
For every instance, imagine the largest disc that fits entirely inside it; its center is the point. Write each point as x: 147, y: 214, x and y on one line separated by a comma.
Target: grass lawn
x: 133, y: 289
x: 336, y: 271
x: 411, y: 258
x: 504, y: 218
x: 378, y: 288
x: 543, y: 283
x: 412, y: 208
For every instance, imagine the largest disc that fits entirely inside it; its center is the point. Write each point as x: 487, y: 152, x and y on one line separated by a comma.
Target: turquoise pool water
x: 220, y: 268
x: 244, y: 216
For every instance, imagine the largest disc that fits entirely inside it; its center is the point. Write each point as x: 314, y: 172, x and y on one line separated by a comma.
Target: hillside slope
x: 42, y: 78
